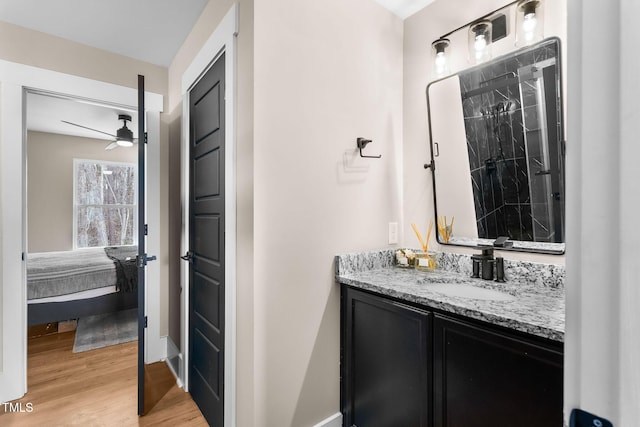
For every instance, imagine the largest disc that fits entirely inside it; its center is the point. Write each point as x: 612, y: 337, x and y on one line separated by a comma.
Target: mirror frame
x: 483, y: 243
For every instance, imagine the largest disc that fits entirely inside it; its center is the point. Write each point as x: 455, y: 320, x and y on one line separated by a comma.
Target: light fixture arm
x: 479, y: 19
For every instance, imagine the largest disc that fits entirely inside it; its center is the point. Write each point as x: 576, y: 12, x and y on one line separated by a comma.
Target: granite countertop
x: 537, y: 309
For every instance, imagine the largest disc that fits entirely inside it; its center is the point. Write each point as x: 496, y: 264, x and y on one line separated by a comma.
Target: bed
x: 71, y: 284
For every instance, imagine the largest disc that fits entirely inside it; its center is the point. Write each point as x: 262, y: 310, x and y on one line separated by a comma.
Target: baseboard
x: 167, y: 361
x: 163, y: 348
x: 334, y: 420
x: 172, y: 350
x: 173, y: 360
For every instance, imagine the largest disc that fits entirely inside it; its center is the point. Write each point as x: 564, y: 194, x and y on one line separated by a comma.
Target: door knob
x: 188, y: 256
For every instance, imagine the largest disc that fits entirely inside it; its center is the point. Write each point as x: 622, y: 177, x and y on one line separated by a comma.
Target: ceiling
x: 148, y: 30
x: 404, y: 8
x: 46, y: 113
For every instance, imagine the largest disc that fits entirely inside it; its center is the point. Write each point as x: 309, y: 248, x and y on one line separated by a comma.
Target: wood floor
x: 95, y: 388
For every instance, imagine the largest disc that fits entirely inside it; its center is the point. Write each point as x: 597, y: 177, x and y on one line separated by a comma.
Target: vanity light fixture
x: 441, y: 57
x: 480, y: 41
x: 529, y: 22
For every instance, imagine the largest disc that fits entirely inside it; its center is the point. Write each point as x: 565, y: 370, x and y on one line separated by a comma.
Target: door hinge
x: 23, y: 256
x: 146, y: 229
x: 145, y: 321
x: 146, y: 137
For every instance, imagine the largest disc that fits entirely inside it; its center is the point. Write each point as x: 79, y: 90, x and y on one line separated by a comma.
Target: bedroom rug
x: 103, y: 330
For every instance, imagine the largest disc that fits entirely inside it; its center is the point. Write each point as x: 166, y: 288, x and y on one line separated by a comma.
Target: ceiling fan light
x: 124, y: 136
x: 124, y: 143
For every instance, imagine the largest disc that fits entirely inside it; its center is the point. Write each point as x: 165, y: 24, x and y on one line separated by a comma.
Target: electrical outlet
x: 393, y: 233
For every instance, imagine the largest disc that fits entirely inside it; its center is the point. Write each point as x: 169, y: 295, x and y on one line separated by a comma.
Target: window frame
x: 76, y: 162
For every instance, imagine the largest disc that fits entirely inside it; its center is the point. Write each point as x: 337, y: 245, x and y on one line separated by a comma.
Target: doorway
x: 221, y: 42
x: 206, y: 253
x: 80, y: 227
x: 16, y: 79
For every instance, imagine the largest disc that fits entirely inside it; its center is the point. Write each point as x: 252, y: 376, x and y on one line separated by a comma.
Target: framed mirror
x: 497, y: 150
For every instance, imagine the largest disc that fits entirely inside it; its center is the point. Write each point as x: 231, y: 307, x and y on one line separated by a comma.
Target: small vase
x: 425, y: 261
x: 405, y: 258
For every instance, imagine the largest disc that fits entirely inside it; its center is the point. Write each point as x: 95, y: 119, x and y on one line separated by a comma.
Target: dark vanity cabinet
x: 483, y: 377
x: 385, y: 362
x: 411, y: 366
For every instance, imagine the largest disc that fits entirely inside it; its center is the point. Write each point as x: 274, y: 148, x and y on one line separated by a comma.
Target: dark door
x: 486, y: 378
x: 142, y: 257
x: 206, y: 247
x: 386, y: 357
x: 153, y: 380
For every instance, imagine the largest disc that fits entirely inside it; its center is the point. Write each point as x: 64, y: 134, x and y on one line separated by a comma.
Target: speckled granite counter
x: 537, y: 309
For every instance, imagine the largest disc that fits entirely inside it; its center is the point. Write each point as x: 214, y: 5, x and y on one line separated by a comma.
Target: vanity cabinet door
x: 488, y: 378
x: 385, y: 362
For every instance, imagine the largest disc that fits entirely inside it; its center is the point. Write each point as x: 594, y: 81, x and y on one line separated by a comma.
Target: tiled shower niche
x: 512, y: 123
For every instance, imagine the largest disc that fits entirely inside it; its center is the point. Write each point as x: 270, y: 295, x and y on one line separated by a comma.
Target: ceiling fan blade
x: 88, y: 128
x: 111, y: 146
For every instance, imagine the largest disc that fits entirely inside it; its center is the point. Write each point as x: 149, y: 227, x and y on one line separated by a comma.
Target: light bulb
x: 440, y: 59
x: 529, y: 23
x: 479, y: 41
x: 124, y: 143
x: 480, y: 44
x: 440, y: 64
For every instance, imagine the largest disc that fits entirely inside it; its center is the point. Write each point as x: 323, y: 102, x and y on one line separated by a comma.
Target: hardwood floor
x: 95, y: 388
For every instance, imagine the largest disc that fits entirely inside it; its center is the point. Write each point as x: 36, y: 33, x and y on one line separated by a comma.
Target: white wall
x: 602, y: 349
x: 420, y: 30
x: 325, y: 73
x: 50, y: 185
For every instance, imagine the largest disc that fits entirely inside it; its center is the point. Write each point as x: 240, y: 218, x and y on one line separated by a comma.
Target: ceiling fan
x: 123, y: 137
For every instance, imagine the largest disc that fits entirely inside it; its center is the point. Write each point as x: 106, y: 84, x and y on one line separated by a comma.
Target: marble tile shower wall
x: 495, y: 132
x: 493, y: 125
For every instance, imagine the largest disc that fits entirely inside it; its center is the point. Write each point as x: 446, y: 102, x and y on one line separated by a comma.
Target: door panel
x: 204, y: 187
x: 207, y: 298
x: 207, y: 222
x: 207, y: 112
x: 207, y: 243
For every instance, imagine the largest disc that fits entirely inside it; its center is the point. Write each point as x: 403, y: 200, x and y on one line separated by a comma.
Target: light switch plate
x: 393, y: 233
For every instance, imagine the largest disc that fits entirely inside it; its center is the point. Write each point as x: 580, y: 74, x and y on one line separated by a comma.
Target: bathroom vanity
x: 440, y: 348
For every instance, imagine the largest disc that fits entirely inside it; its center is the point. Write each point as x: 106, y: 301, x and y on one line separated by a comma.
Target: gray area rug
x: 103, y: 330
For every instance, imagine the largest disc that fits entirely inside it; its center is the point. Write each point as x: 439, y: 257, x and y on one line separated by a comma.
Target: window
x: 104, y: 200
